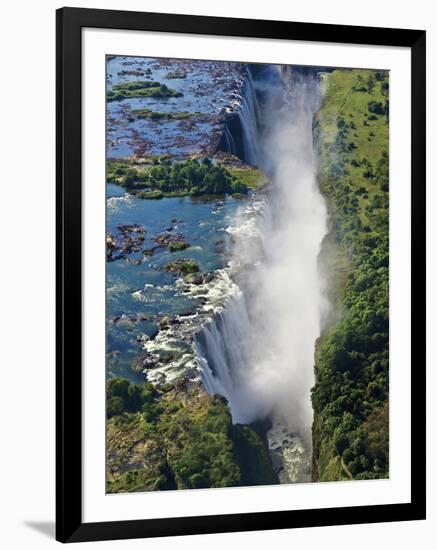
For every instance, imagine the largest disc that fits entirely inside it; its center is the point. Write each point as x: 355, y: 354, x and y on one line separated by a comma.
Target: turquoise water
x: 138, y: 296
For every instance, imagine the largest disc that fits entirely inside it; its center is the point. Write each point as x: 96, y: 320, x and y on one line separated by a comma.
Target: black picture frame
x: 69, y: 525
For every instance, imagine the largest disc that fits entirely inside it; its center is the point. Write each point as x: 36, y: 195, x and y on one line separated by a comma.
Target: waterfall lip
x: 246, y: 107
x: 178, y: 336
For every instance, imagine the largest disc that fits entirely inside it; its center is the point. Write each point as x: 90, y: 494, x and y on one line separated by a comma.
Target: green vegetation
x: 175, y: 246
x: 350, y: 397
x: 125, y: 397
x: 156, y: 194
x: 179, y: 439
x: 129, y: 175
x: 140, y: 88
x: 161, y: 115
x: 251, y: 177
x: 177, y: 178
x: 133, y: 72
x: 182, y: 266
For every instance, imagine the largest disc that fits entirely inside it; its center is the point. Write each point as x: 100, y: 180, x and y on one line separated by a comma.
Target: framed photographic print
x: 241, y: 274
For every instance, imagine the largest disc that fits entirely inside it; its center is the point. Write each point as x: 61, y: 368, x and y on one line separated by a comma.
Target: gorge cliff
x: 350, y: 397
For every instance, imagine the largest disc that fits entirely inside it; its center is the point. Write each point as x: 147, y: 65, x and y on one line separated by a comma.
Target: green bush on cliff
x: 351, y: 392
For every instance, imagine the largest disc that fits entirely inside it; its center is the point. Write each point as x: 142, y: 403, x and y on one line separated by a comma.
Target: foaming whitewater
x: 258, y: 351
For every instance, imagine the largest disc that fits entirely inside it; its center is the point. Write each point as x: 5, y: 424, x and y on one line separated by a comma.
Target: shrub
x: 140, y: 88
x: 376, y: 107
x: 122, y: 396
x: 177, y: 245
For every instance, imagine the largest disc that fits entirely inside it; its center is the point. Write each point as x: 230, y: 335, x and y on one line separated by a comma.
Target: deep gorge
x: 259, y: 351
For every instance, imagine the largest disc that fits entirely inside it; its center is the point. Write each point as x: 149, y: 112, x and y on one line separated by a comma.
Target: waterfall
x: 229, y: 141
x: 249, y: 117
x: 240, y: 134
x: 258, y: 351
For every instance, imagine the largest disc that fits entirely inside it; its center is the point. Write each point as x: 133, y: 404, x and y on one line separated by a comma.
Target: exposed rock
x: 164, y: 322
x: 143, y: 339
x: 194, y: 278
x: 211, y: 98
x: 129, y: 319
x: 172, y: 241
x: 145, y: 361
x: 128, y: 240
x: 219, y: 246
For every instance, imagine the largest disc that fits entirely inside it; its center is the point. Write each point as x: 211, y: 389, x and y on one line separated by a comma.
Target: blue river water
x: 140, y: 291
x: 140, y: 294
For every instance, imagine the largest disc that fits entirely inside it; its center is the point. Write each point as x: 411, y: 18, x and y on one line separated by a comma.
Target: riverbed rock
x: 219, y: 246
x: 145, y: 361
x: 194, y: 278
x: 172, y: 241
x: 164, y: 322
x: 127, y: 241
x: 216, y: 96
